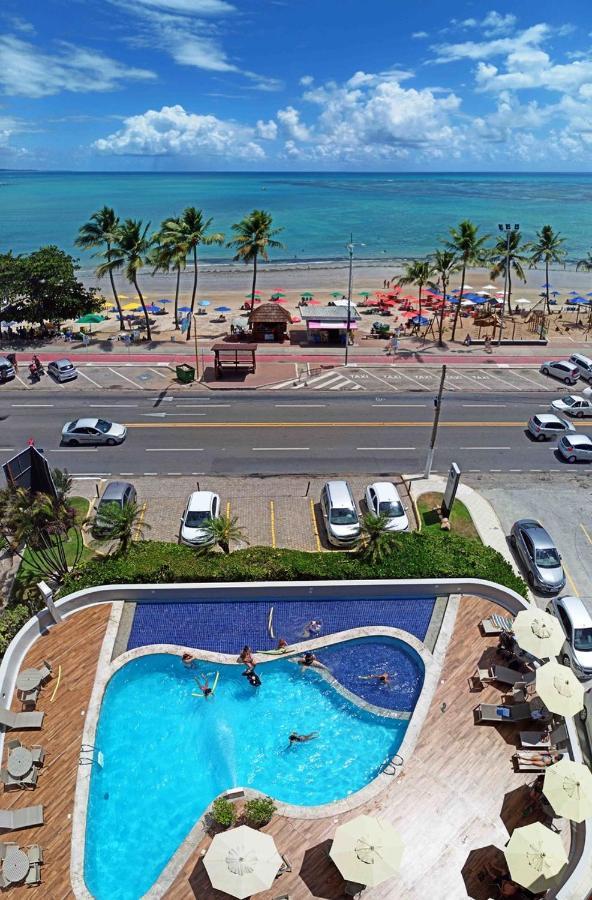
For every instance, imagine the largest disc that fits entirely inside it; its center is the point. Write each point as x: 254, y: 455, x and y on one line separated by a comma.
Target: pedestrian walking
x: 394, y: 344
x: 487, y: 344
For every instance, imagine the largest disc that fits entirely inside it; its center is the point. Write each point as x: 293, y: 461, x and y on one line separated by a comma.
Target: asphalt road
x: 240, y: 433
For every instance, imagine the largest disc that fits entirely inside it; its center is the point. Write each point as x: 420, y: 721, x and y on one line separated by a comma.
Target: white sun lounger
x: 25, y: 817
x: 495, y: 624
x: 20, y: 719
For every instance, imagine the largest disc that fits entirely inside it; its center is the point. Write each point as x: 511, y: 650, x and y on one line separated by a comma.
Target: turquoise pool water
x: 167, y: 754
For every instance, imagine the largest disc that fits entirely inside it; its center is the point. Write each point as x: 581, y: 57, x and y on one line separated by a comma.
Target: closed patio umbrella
x: 538, y: 632
x: 366, y: 850
x: 534, y: 854
x: 568, y: 788
x: 242, y: 861
x: 559, y: 689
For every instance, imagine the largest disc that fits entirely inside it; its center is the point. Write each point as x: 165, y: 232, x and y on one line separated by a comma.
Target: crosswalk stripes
x: 328, y: 381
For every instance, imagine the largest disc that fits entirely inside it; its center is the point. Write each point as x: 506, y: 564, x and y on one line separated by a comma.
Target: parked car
x: 584, y: 364
x: 545, y: 427
x: 93, y: 431
x: 577, y: 624
x: 562, y: 369
x: 575, y: 448
x: 116, y: 495
x: 382, y: 499
x: 7, y: 372
x: 62, y: 370
x: 340, y: 515
x: 202, y: 506
x: 573, y: 405
x: 539, y: 555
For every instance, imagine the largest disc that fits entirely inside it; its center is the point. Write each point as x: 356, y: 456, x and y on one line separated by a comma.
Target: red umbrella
x: 385, y: 301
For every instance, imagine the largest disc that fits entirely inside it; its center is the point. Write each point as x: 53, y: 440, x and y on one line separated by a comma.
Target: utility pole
x: 350, y: 250
x: 438, y: 406
x: 508, y: 229
x: 195, y: 345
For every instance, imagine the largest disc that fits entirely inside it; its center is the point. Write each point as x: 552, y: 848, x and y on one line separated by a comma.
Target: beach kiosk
x: 269, y: 322
x: 328, y: 324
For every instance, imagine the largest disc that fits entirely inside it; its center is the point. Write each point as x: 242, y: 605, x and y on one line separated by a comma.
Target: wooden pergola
x: 269, y: 322
x: 235, y: 357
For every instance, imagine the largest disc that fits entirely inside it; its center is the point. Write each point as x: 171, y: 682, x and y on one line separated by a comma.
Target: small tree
x: 63, y: 484
x: 121, y: 524
x: 223, y: 812
x: 222, y: 530
x: 259, y: 811
x: 444, y: 266
x: 377, y: 541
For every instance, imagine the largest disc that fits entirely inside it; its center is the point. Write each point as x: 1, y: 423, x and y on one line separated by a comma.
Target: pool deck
x: 447, y: 802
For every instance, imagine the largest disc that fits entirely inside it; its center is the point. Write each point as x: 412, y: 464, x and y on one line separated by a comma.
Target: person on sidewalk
x: 487, y: 344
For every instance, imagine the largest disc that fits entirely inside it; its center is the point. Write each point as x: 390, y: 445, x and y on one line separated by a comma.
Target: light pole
x: 508, y: 230
x: 437, y: 407
x: 194, y: 316
x: 350, y: 250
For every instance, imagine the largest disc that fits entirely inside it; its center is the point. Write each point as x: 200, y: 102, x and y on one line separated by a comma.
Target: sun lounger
x: 35, y: 853
x: 495, y: 624
x: 522, y: 765
x: 30, y: 779
x: 491, y: 712
x: 45, y: 671
x: 29, y: 698
x: 38, y: 754
x: 34, y: 874
x: 20, y: 719
x: 25, y: 817
x: 504, y: 675
x: 543, y: 739
x: 8, y: 781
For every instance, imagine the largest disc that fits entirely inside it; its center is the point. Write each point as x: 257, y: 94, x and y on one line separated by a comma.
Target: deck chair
x: 30, y: 779
x: 34, y: 874
x: 13, y: 744
x: 38, y: 754
x: 495, y: 624
x: 20, y: 719
x: 35, y: 853
x: 535, y: 740
x: 29, y: 698
x: 25, y: 817
x: 45, y: 671
x: 285, y: 866
x: 8, y: 781
x: 491, y: 712
x: 503, y: 675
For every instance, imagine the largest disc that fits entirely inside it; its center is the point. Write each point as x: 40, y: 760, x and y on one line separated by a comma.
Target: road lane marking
x: 484, y: 405
x: 275, y: 449
x: 455, y: 372
x: 386, y: 448
x: 400, y: 405
x: 574, y: 587
x: 156, y: 372
x: 113, y: 405
x: 173, y: 449
x: 73, y: 450
x: 31, y: 405
x: 300, y: 405
x: 92, y: 381
x: 586, y: 533
x: 205, y: 406
x: 485, y: 448
x: 125, y: 378
x: 315, y: 529
x: 138, y: 526
x: 388, y: 383
x: 536, y: 383
x: 497, y: 377
x: 6, y: 449
x: 18, y: 378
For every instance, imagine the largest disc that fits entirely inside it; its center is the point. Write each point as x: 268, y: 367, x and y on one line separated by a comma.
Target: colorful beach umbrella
x: 165, y: 300
x: 204, y: 303
x: 364, y: 294
x: 490, y: 287
x: 153, y: 308
x: 90, y: 319
x: 306, y: 295
x: 367, y: 850
x: 337, y: 293
x: 420, y: 320
x: 534, y: 854
x: 129, y: 306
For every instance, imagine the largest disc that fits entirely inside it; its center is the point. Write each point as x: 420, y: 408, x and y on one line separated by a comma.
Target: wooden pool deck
x: 456, y: 794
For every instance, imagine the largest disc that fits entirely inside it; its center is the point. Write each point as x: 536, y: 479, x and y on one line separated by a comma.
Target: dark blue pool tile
x: 226, y: 627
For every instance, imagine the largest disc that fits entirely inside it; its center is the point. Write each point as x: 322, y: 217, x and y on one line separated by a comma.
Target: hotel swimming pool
x: 168, y: 753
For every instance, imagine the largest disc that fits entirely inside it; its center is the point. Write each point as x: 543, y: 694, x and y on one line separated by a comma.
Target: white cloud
x: 418, y: 35
x: 267, y: 130
x: 476, y: 50
x: 187, y: 7
x: 26, y: 71
x: 495, y: 22
x: 289, y: 118
x: 306, y: 80
x: 529, y: 68
x: 171, y: 131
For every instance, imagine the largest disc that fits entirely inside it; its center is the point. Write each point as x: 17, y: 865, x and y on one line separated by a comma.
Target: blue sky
x: 378, y: 85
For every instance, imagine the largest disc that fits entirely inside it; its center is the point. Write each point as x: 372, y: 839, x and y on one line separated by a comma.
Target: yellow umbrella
x: 130, y: 305
x: 366, y: 850
x: 538, y: 632
x: 559, y: 689
x: 568, y: 787
x: 242, y: 861
x: 534, y: 854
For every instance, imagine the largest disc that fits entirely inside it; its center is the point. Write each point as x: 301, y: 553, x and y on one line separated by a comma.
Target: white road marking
x: 207, y: 406
x: 276, y: 449
x: 73, y: 450
x: 113, y: 405
x: 90, y: 476
x: 24, y: 384
x: 472, y: 380
x: 6, y: 449
x: 300, y: 405
x: 31, y: 405
x: 386, y: 448
x: 486, y: 448
x: 484, y: 405
x: 497, y: 377
x: 125, y: 378
x: 174, y: 473
x: 156, y: 372
x: 126, y: 473
x: 536, y: 383
x: 150, y: 473
x: 92, y: 381
x: 401, y: 405
x: 173, y: 449
x: 388, y: 383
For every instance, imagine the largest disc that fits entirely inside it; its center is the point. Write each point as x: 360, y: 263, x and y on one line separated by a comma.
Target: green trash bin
x: 185, y: 373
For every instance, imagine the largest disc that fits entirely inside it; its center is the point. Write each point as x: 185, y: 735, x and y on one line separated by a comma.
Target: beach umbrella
x: 555, y: 293
x: 184, y: 309
x: 337, y: 293
x: 242, y: 861
x: 222, y: 309
x: 573, y: 294
x: 538, y: 632
x: 129, y: 305
x: 559, y: 689
x: 545, y: 285
x: 420, y: 320
x: 314, y: 303
x: 204, y: 303
x: 153, y: 308
x: 468, y: 287
x: 467, y: 303
x: 307, y: 295
x: 534, y: 854
x: 90, y: 319
x: 364, y: 294
x: 489, y: 287
x: 568, y: 788
x: 277, y: 294
x: 366, y: 850
x: 278, y: 290
x: 589, y: 294
x: 522, y: 302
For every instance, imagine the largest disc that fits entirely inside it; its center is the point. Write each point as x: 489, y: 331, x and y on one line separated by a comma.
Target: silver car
x: 116, y: 495
x: 537, y: 552
x: 573, y: 405
x: 575, y: 448
x: 562, y: 369
x: 545, y: 427
x: 62, y: 370
x: 93, y: 431
x: 340, y: 514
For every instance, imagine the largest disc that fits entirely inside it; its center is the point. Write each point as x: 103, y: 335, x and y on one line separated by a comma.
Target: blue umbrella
x: 204, y: 303
x: 589, y: 294
x: 555, y: 293
x: 153, y: 308
x: 545, y: 285
x: 573, y: 294
x: 164, y: 300
x: 420, y: 320
x: 223, y: 309
x: 184, y: 309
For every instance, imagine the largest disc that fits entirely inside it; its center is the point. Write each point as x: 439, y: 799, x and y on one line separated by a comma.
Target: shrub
x: 11, y: 621
x: 259, y: 811
x: 223, y: 812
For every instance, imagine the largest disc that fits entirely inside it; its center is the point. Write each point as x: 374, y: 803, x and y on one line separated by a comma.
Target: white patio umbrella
x: 522, y: 302
x: 559, y: 689
x: 534, y: 854
x: 538, y: 632
x: 366, y: 850
x: 242, y: 861
x: 568, y: 787
x: 490, y: 287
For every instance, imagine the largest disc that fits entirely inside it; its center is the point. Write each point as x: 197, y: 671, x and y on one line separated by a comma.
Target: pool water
x: 167, y: 754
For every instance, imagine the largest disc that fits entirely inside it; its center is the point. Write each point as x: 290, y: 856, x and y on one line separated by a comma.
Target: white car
x: 573, y: 405
x: 562, y: 369
x: 93, y: 431
x: 202, y: 506
x: 575, y: 448
x: 382, y: 498
x: 545, y: 426
x: 62, y: 370
x: 577, y: 624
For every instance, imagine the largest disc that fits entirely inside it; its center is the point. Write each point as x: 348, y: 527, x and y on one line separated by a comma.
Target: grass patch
x: 461, y: 522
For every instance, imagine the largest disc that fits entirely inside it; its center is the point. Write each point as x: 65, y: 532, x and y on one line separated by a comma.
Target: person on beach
x: 282, y: 644
x: 309, y: 659
x: 302, y: 738
x: 188, y: 660
x: 467, y: 341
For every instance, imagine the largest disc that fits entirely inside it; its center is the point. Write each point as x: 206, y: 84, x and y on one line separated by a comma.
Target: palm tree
x: 222, y: 530
x: 585, y: 265
x: 419, y: 273
x: 547, y: 248
x: 445, y: 264
x: 120, y: 523
x: 171, y: 253
x: 102, y: 231
x: 63, y: 484
x: 377, y: 541
x: 509, y: 250
x: 254, y: 238
x: 466, y: 243
x: 131, y: 253
x: 188, y: 232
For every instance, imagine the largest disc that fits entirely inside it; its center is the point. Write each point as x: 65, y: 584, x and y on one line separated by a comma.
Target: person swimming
x: 246, y: 657
x: 296, y: 738
x: 252, y: 677
x: 312, y: 628
x: 188, y: 660
x: 205, y: 688
x: 382, y: 678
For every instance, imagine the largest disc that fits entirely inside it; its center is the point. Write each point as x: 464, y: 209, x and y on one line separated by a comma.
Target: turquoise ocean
x: 395, y: 216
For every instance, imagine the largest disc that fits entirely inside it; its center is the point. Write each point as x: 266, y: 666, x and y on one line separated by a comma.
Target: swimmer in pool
x: 302, y: 738
x: 246, y: 657
x: 383, y: 678
x: 312, y: 628
x: 188, y: 660
x: 252, y: 677
x: 205, y: 688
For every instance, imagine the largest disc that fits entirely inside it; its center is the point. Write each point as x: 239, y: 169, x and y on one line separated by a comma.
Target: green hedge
x: 417, y: 555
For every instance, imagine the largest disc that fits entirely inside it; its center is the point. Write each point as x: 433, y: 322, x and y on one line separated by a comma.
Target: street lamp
x: 350, y: 249
x: 508, y: 230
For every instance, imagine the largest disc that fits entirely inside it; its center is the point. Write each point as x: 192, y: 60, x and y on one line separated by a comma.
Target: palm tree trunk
x: 254, y: 285
x: 115, y: 295
x: 420, y: 285
x: 459, y: 298
x: 441, y: 324
x: 193, y: 293
x: 509, y: 290
x: 146, y: 319
x: 547, y: 288
x: 177, y: 296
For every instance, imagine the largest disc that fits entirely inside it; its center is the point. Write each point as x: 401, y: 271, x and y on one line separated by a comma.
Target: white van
x: 340, y: 514
x: 584, y: 364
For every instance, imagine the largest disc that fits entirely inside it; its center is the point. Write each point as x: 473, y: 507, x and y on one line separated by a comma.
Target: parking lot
x: 101, y: 376
x: 405, y: 378
x: 274, y: 512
